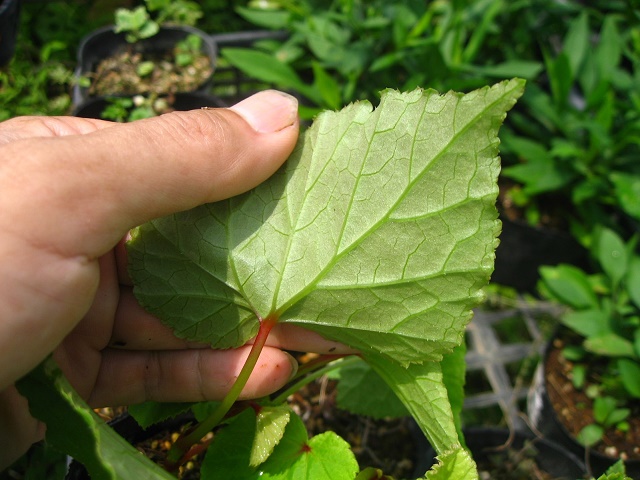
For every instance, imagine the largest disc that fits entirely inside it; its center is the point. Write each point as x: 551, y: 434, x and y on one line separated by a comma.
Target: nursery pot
x: 524, y: 249
x: 9, y: 18
x: 495, y: 445
x: 93, y: 107
x: 546, y: 420
x: 104, y: 42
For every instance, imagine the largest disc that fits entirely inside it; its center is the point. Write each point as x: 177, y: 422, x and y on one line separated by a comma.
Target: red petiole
x: 179, y: 450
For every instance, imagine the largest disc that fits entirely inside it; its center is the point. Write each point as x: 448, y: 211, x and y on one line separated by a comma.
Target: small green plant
x: 606, y: 413
x: 187, y: 50
x: 605, y: 313
x: 572, y: 146
x: 125, y: 109
x: 383, y: 249
x: 144, y: 21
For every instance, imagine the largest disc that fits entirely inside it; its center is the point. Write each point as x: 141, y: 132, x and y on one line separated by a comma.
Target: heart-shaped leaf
x: 378, y: 232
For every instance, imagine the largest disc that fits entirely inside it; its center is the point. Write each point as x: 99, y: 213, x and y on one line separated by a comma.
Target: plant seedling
x: 606, y: 414
x: 138, y: 23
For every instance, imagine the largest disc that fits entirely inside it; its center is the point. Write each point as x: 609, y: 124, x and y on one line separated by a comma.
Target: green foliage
x: 349, y: 50
x: 186, y: 50
x: 136, y: 24
x: 605, y: 312
x: 26, y: 90
x: 125, y: 109
x: 574, y: 139
x: 38, y: 80
x: 616, y: 471
x: 606, y: 414
x: 73, y: 428
x: 363, y: 392
x: 144, y: 21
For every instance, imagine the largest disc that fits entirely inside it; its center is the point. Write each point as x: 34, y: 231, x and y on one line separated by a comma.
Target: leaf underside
x: 379, y: 232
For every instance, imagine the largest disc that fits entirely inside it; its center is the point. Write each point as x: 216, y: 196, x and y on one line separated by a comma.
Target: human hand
x: 70, y: 190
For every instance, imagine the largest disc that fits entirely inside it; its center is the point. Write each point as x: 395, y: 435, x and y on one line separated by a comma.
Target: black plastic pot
x: 524, y: 249
x: 104, y: 42
x: 544, y: 419
x: 94, y: 107
x: 549, y: 457
x: 9, y: 18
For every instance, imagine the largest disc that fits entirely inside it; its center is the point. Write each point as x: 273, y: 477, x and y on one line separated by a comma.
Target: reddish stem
x: 184, y: 443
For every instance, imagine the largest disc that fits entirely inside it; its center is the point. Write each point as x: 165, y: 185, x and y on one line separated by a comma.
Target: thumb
x: 105, y: 182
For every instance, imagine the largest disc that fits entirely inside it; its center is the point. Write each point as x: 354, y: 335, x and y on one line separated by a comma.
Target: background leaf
x: 612, y: 255
x: 570, y: 285
x: 363, y: 392
x: 148, y: 413
x: 268, y: 68
x: 630, y: 375
x: 228, y: 455
x: 74, y: 428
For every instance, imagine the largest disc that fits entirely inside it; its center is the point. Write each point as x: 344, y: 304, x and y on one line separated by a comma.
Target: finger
x: 136, y: 329
x: 293, y: 337
x: 115, y: 178
x: 126, y: 378
x: 32, y: 127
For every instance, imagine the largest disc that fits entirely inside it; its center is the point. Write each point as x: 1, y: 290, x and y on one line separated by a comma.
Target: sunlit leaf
x: 379, y: 232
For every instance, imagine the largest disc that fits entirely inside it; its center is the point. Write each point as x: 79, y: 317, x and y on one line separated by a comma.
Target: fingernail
x: 294, y: 366
x: 268, y: 111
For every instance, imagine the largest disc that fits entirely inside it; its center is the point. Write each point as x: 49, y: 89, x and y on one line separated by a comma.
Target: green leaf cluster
x: 605, y: 313
x: 576, y: 136
x: 571, y: 145
x: 41, y: 89
x: 341, y: 51
x: 606, y: 413
x: 144, y: 21
x: 126, y: 109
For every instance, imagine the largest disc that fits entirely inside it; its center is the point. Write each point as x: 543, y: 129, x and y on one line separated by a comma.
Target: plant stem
x: 183, y: 444
x: 340, y: 362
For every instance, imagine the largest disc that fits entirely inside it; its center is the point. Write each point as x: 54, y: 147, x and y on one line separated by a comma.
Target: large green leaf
x: 378, y: 232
